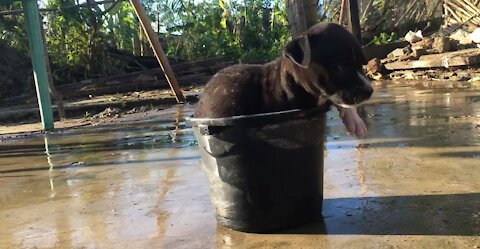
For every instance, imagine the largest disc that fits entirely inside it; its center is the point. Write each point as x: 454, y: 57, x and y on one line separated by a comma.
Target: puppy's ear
x: 298, y: 50
x: 360, y: 55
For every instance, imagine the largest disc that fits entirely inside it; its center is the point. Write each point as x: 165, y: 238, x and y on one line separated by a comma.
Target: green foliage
x: 87, y: 115
x: 329, y: 10
x: 12, y: 30
x: 252, y: 31
x: 384, y: 38
x: 122, y: 26
x: 79, y: 40
x: 65, y: 34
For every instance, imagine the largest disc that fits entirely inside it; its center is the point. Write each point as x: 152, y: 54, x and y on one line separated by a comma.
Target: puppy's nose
x: 368, y: 91
x: 362, y: 93
x: 365, y: 88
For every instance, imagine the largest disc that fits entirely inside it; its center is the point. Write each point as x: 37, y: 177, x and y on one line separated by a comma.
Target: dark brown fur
x: 314, y: 66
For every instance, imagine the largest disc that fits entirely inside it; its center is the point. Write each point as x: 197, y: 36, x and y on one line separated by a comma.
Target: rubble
x: 375, y: 69
x: 475, y: 35
x: 375, y: 66
x: 441, y: 44
x: 108, y: 112
x: 461, y: 36
x: 418, y: 51
x: 413, y: 37
x: 451, y: 55
x: 187, y: 73
x: 399, y: 52
x: 463, y: 75
x: 138, y: 109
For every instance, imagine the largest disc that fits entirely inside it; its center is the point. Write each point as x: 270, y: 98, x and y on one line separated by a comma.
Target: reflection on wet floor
x: 413, y: 182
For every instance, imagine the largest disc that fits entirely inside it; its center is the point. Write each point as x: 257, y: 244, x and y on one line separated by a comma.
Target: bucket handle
x: 206, y: 130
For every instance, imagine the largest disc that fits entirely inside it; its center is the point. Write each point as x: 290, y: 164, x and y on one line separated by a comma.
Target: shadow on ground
x: 455, y: 215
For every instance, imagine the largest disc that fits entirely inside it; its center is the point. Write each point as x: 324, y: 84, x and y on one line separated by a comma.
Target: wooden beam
x: 463, y: 52
x: 451, y: 59
x: 342, y: 11
x: 354, y: 20
x: 158, y: 51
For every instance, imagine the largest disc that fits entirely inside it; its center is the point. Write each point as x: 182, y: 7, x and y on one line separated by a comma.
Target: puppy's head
x: 331, y: 59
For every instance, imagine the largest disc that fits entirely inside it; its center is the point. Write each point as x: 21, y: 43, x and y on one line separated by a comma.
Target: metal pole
x: 35, y: 41
x: 157, y: 49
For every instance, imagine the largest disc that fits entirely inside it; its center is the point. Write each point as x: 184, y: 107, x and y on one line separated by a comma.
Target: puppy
x: 320, y: 68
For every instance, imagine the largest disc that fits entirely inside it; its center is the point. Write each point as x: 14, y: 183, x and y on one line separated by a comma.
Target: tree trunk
x: 301, y: 15
x: 296, y: 17
x: 137, y: 43
x: 311, y: 12
x: 51, y: 87
x: 94, y: 24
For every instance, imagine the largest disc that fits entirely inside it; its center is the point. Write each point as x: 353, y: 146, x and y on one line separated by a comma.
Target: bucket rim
x: 260, y: 118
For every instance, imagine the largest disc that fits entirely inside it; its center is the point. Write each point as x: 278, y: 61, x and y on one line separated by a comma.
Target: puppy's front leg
x: 353, y: 122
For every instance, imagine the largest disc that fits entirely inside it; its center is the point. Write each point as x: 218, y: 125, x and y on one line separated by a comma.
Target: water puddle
x: 138, y: 182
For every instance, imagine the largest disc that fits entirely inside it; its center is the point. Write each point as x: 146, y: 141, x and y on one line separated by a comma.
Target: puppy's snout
x: 364, y: 90
x: 367, y: 91
x: 362, y: 94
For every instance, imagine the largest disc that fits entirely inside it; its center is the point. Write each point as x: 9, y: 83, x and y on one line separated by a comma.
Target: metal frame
x: 37, y: 54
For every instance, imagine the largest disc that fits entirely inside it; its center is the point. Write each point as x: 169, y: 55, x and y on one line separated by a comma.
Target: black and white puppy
x: 320, y: 68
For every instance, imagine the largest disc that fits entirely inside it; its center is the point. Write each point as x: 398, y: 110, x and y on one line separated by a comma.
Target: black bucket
x: 265, y: 171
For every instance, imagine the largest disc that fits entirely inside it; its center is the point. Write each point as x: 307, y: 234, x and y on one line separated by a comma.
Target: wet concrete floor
x: 412, y: 183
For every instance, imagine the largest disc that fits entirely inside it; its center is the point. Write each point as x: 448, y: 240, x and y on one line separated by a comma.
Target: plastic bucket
x: 265, y: 171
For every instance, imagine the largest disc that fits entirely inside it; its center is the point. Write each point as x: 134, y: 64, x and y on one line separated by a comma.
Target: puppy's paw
x: 353, y: 122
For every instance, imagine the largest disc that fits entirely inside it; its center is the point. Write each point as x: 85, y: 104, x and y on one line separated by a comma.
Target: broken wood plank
x: 206, y: 66
x: 463, y: 52
x: 158, y: 50
x: 132, y: 86
x: 458, y: 58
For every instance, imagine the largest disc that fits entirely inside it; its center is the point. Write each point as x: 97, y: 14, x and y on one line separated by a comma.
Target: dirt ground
x: 136, y: 181
x: 93, y: 111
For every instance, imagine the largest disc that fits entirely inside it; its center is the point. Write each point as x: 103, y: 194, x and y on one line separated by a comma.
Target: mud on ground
x: 95, y: 110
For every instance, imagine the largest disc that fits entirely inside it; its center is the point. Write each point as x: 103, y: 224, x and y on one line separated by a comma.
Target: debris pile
x: 187, y: 74
x: 445, y: 55
x: 108, y: 113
